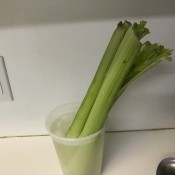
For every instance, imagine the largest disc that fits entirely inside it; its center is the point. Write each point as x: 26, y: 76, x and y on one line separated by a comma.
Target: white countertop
x: 132, y: 153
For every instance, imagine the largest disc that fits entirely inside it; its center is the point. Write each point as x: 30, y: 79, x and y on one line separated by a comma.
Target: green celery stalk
x: 122, y: 62
x: 88, y: 101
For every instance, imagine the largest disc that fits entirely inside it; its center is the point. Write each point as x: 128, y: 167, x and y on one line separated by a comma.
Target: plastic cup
x: 77, y: 156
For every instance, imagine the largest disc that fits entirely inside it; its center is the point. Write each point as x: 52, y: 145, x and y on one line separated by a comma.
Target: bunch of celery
x: 124, y: 60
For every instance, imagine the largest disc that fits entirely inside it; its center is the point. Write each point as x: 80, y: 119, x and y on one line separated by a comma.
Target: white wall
x: 50, y: 64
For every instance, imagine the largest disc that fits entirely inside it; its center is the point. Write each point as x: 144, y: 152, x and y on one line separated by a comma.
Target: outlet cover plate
x: 5, y: 89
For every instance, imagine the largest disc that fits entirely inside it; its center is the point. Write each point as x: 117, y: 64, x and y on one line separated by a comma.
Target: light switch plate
x: 5, y: 89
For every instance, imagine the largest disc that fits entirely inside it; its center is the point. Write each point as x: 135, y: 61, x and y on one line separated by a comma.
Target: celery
x: 86, y: 105
x: 124, y: 60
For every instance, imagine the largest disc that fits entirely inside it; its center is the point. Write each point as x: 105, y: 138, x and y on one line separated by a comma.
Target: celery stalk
x: 123, y: 60
x: 92, y: 92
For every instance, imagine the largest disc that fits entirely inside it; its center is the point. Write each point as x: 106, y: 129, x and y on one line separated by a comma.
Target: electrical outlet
x: 5, y: 89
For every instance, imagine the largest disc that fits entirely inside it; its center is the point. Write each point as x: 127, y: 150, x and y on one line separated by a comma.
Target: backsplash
x: 52, y: 64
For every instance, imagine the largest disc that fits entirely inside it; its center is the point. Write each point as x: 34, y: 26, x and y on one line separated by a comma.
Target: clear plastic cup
x: 77, y: 156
